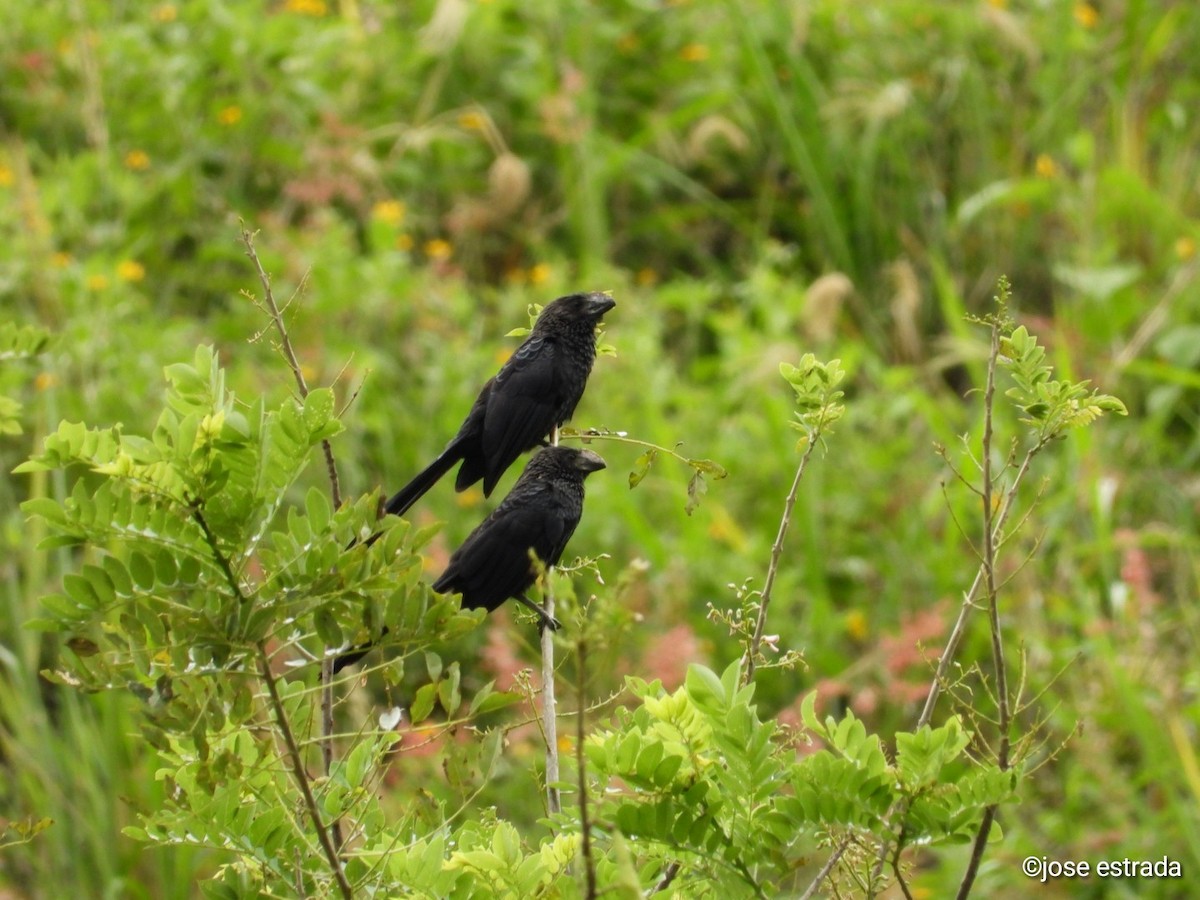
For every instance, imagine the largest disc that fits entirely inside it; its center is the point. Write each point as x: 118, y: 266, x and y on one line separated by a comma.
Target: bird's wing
x: 521, y: 406
x: 558, y: 530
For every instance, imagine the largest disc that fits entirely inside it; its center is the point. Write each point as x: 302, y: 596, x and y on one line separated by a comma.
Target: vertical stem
x: 289, y: 354
x: 826, y: 869
x: 585, y: 827
x: 326, y: 741
x: 946, y: 660
x: 989, y: 574
x: 773, y: 567
x: 549, y: 706
x: 296, y: 760
x: 989, y: 553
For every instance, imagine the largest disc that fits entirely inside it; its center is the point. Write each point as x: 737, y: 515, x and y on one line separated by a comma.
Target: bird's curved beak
x: 589, y: 461
x: 599, y: 304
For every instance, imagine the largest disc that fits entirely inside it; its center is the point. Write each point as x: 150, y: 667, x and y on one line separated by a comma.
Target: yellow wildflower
x: 404, y: 242
x: 137, y: 160
x: 1185, y: 247
x: 130, y: 270
x: 97, y: 282
x: 438, y: 249
x: 230, y: 115
x: 1086, y: 15
x: 389, y: 211
x: 694, y: 52
x: 306, y: 7
x: 539, y: 274
x: 6, y: 175
x: 1045, y: 166
x: 856, y: 624
x: 472, y: 120
x: 43, y: 381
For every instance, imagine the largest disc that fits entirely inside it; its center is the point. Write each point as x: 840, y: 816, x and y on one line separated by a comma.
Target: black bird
x: 534, y: 392
x: 539, y: 515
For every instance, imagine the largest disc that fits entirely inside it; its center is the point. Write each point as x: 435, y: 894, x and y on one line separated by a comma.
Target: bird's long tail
x: 398, y: 504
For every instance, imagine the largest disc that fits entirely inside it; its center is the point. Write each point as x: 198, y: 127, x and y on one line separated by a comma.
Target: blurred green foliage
x: 753, y: 181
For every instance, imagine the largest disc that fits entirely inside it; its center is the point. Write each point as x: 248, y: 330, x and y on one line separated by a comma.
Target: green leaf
x: 704, y: 687
x: 697, y: 488
x: 317, y: 510
x: 358, y: 763
x: 165, y: 568
x: 422, y: 704
x: 63, y: 609
x: 488, y: 700
x: 318, y: 409
x: 448, y: 694
x: 21, y: 341
x: 709, y: 467
x: 665, y: 772
x: 142, y: 571
x: 641, y: 466
x: 808, y: 715
x: 627, y: 752
x: 79, y: 589
x: 118, y: 575
x: 100, y: 583
x: 45, y: 508
x: 648, y: 760
x: 433, y: 665
x: 328, y: 628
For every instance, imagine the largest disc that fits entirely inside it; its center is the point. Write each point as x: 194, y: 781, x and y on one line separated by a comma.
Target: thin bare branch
x: 826, y: 869
x: 549, y: 706
x: 295, y: 756
x: 959, y: 527
x: 275, y: 314
x: 668, y: 876
x: 271, y: 308
x: 764, y: 603
x: 940, y: 450
x: 296, y: 762
x: 585, y: 826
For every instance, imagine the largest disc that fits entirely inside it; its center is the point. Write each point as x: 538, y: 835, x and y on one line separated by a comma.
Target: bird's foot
x: 545, y: 620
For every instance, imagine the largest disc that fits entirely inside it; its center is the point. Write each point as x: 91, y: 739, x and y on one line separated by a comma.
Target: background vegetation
x: 752, y: 181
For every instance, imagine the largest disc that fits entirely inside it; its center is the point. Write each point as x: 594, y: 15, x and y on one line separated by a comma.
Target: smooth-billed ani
x: 538, y: 517
x: 534, y: 392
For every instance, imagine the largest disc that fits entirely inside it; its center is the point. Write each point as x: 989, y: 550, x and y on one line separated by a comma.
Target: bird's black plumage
x: 534, y: 392
x: 539, y: 515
